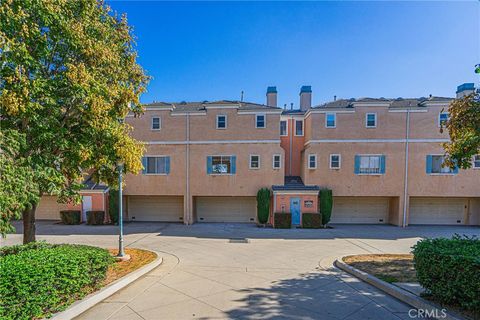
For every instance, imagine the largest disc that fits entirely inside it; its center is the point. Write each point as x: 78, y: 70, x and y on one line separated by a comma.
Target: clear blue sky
x: 199, y: 51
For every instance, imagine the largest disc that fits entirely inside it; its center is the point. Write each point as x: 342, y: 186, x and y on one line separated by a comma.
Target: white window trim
x: 370, y: 174
x: 155, y: 156
x: 440, y: 173
x: 439, y: 115
x: 220, y: 155
x: 250, y: 162
x: 308, y: 161
x: 159, y: 123
x: 473, y: 162
x: 286, y: 128
x: 334, y: 119
x: 279, y: 162
x: 295, y: 128
x: 226, y: 122
x: 264, y: 120
x: 366, y: 120
x: 339, y: 161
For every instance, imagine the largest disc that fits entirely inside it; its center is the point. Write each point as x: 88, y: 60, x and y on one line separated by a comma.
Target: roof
x: 201, y: 106
x: 294, y: 183
x: 89, y: 184
x: 393, y: 103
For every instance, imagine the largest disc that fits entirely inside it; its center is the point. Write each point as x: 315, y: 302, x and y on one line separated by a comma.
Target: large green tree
x: 463, y: 127
x: 68, y: 74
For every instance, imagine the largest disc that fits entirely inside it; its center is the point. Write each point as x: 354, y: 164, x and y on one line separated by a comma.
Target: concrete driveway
x: 218, y: 271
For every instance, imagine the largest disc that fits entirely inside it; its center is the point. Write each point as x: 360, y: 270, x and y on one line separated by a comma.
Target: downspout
x: 405, y: 190
x: 290, y: 146
x: 189, y: 214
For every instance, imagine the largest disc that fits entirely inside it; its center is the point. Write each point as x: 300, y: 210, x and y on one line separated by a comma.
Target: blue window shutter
x: 167, y: 165
x: 429, y: 164
x: 382, y: 164
x: 233, y: 161
x: 144, y: 164
x: 357, y: 164
x: 209, y: 165
x: 455, y: 170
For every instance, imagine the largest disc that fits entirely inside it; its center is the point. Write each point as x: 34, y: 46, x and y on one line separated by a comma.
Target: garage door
x: 155, y: 208
x: 437, y: 210
x: 226, y: 209
x: 359, y: 210
x: 49, y: 209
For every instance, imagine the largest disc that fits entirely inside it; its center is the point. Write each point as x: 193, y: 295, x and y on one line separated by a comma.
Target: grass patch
x: 387, y: 267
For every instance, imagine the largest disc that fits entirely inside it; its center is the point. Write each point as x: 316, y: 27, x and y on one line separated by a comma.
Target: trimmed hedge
x: 95, y: 217
x: 450, y: 270
x: 325, y: 200
x: 263, y: 205
x: 37, y: 280
x: 282, y: 220
x: 311, y: 220
x: 113, y: 205
x: 70, y: 216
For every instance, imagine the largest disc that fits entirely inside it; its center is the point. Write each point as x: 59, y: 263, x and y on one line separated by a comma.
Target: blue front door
x: 295, y: 210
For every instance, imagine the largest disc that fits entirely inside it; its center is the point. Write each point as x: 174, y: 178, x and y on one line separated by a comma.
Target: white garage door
x: 155, y: 208
x: 226, y: 209
x: 360, y: 210
x: 437, y: 210
x: 49, y: 209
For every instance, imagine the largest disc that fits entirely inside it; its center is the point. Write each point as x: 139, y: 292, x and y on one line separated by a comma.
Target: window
x: 435, y: 165
x: 371, y: 120
x: 283, y: 128
x: 443, y: 118
x: 156, y: 165
x: 476, y: 161
x: 221, y: 164
x: 221, y: 121
x: 312, y: 161
x: 334, y: 161
x: 260, y: 121
x: 254, y: 161
x: 277, y: 161
x: 156, y: 123
x: 369, y: 164
x: 299, y: 127
x: 330, y: 120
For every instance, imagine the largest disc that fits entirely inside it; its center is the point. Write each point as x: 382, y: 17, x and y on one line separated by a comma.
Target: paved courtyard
x: 210, y: 272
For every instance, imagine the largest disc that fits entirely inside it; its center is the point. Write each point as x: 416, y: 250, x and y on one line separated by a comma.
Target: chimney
x: 465, y: 89
x: 272, y: 96
x: 305, y: 98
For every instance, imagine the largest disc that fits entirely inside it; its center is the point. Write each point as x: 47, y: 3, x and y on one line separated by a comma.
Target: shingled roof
x: 201, y: 106
x: 393, y: 103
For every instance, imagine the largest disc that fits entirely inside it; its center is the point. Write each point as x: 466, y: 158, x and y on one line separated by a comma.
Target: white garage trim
x: 155, y: 208
x: 226, y: 209
x: 366, y: 210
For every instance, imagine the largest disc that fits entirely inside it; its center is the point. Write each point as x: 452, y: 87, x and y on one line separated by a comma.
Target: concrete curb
x: 92, y: 299
x: 402, y: 295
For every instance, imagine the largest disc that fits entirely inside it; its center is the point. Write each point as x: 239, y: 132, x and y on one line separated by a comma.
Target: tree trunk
x: 29, y: 224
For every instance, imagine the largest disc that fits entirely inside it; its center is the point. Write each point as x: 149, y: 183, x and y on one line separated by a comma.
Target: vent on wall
x: 238, y: 240
x: 380, y: 220
x: 459, y: 221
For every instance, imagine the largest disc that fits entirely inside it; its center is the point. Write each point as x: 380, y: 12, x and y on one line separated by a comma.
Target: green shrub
x: 450, y: 270
x: 282, y: 220
x: 70, y: 216
x: 24, y: 247
x: 311, y: 220
x: 36, y: 282
x: 113, y: 205
x: 95, y: 217
x: 263, y: 205
x: 325, y: 199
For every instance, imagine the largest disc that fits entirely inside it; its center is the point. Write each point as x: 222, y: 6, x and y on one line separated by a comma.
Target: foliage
x: 113, y: 205
x: 37, y: 282
x: 282, y: 220
x: 463, y: 127
x: 325, y: 200
x: 450, y: 270
x: 311, y: 220
x: 70, y: 216
x: 16, y: 176
x: 68, y: 73
x: 4, y: 251
x: 95, y: 217
x: 263, y: 205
